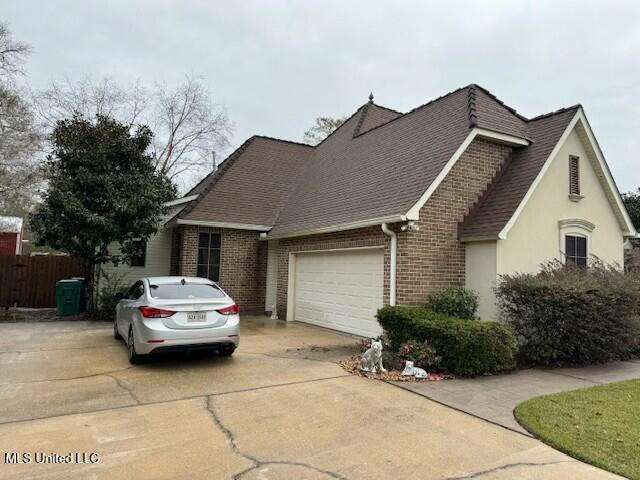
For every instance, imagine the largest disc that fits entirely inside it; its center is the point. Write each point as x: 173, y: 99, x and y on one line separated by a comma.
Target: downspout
x: 392, y: 267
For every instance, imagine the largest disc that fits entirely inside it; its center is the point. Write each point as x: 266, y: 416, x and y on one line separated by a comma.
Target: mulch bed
x: 352, y: 365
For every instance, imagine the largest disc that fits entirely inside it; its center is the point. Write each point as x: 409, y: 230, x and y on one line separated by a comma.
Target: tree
x: 188, y: 127
x: 323, y: 127
x: 632, y: 202
x: 12, y: 53
x: 20, y: 138
x: 103, y: 188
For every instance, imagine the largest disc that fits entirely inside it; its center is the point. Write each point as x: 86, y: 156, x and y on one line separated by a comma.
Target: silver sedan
x: 169, y: 314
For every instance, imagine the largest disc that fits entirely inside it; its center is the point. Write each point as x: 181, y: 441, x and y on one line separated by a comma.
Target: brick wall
x: 429, y: 258
x: 432, y: 257
x: 243, y: 263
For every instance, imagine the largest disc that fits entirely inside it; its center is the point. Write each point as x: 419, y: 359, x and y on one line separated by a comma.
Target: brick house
x: 11, y: 235
x: 393, y: 206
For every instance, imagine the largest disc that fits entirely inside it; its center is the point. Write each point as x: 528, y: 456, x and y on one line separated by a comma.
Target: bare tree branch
x: 187, y: 125
x: 12, y: 53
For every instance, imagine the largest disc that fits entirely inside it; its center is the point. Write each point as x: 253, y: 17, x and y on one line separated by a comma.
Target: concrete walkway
x: 493, y: 398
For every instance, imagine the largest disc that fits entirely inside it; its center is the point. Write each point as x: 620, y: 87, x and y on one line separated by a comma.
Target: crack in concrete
x: 256, y: 464
x: 127, y: 388
x: 64, y: 379
x: 507, y: 466
x: 160, y: 402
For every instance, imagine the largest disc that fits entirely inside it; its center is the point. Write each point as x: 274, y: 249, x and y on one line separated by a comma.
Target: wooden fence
x: 31, y: 281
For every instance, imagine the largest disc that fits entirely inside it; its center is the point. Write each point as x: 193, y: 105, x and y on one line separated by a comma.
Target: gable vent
x: 574, y: 175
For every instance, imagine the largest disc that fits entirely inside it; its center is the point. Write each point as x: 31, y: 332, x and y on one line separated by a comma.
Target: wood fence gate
x: 31, y: 281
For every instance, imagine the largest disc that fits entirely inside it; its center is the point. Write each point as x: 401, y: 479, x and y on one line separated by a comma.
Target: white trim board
x: 341, y: 227
x: 235, y: 226
x: 610, y: 184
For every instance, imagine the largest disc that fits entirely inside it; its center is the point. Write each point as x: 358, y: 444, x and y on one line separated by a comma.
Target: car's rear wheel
x: 131, y: 349
x: 116, y: 334
x: 226, y: 352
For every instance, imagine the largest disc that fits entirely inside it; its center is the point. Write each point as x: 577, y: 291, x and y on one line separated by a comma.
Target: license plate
x: 197, y: 317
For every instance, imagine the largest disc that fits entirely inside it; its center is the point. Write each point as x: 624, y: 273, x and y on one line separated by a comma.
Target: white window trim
x: 575, y: 227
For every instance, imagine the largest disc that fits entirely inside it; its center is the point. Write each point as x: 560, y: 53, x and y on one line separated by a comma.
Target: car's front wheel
x: 131, y: 349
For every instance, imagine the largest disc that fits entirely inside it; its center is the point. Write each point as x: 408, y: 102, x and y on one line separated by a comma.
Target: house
x: 392, y: 206
x: 11, y: 235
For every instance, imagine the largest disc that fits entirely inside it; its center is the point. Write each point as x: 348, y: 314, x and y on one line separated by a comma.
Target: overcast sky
x: 276, y: 65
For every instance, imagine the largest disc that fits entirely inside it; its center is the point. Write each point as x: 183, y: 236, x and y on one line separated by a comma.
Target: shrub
x: 110, y: 287
x: 421, y: 354
x: 454, y: 301
x: 571, y: 315
x: 466, y: 348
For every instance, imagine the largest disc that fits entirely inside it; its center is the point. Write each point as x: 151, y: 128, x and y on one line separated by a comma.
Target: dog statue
x: 372, y: 358
x: 410, y: 370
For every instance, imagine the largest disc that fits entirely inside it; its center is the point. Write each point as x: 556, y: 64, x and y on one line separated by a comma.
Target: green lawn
x: 598, y: 425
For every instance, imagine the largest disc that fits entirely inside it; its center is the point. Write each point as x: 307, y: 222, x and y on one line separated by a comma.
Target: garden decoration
x: 372, y: 358
x: 411, y: 371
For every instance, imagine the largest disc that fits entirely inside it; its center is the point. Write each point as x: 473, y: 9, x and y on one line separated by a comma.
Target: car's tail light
x: 232, y: 310
x: 151, y: 312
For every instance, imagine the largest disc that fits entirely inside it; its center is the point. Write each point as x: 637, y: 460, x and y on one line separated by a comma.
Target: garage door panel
x: 340, y: 290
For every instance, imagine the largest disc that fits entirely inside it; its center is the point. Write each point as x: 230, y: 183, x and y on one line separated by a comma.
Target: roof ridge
x: 363, y: 115
x: 471, y: 106
x: 493, y: 97
x: 402, y: 115
x: 267, y: 137
x: 214, y: 176
x: 556, y: 112
x: 386, y: 108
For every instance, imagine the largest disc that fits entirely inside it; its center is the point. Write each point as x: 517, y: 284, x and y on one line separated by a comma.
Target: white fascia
x: 180, y: 201
x: 342, y: 227
x: 414, y: 212
x: 235, y: 226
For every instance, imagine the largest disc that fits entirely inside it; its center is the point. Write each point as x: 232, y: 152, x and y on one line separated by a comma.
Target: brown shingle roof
x: 501, y: 200
x: 375, y: 166
x: 251, y: 185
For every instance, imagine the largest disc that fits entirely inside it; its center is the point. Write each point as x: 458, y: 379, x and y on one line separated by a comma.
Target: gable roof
x: 379, y: 166
x: 381, y: 173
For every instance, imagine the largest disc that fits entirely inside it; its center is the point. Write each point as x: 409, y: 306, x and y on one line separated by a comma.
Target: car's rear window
x: 178, y: 291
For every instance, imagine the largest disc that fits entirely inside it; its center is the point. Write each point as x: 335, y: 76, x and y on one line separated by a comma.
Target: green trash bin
x: 68, y: 294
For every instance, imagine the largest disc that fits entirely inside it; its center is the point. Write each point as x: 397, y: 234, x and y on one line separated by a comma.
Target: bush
x: 465, y: 348
x: 570, y: 315
x: 109, y: 289
x: 454, y: 301
x: 421, y: 354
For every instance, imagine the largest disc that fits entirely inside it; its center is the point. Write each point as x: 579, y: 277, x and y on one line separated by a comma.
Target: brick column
x: 189, y: 251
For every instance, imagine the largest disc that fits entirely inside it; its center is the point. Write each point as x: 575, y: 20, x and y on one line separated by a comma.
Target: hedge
x: 572, y: 316
x: 457, y: 302
x: 466, y: 348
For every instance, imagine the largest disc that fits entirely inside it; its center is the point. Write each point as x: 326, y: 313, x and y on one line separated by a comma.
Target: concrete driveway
x: 280, y: 408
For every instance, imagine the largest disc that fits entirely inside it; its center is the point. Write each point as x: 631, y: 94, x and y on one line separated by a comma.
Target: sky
x: 277, y: 65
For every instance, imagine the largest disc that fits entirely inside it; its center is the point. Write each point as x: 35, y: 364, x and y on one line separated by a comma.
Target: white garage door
x: 340, y: 290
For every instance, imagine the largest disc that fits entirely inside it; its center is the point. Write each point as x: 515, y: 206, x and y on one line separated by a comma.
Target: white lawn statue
x: 274, y: 313
x: 372, y: 358
x: 411, y: 371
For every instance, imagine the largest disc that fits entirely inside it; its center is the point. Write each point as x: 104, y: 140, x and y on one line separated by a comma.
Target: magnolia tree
x: 103, y: 188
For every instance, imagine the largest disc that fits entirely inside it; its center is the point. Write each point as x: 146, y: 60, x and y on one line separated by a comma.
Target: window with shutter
x: 574, y: 175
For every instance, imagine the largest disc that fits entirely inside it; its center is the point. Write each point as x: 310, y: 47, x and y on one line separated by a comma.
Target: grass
x: 598, y: 425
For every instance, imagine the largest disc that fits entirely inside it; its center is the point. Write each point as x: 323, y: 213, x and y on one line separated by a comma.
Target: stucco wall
x: 535, y: 237
x: 480, y: 275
